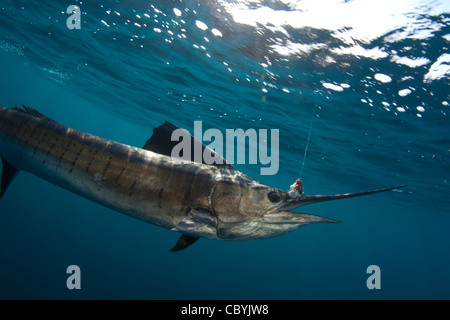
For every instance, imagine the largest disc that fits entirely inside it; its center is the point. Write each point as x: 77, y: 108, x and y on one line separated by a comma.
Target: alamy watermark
x: 374, y: 280
x: 257, y: 147
x: 74, y: 280
x: 74, y: 21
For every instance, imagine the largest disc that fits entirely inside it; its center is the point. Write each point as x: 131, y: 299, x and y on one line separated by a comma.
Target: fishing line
x: 307, y: 141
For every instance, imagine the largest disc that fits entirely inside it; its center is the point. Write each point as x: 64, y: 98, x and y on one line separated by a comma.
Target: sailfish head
x: 266, y: 212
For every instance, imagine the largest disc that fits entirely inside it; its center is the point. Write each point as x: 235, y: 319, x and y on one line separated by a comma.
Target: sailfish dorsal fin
x: 161, y: 142
x: 33, y: 112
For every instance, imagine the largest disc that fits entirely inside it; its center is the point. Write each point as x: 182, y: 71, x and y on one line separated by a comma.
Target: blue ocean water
x: 362, y: 85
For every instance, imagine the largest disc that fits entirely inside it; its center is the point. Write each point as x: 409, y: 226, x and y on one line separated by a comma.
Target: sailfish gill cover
x: 364, y: 84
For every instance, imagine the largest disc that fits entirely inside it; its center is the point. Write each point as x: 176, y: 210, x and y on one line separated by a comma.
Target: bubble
x: 332, y: 86
x: 420, y: 109
x: 404, y: 92
x: 216, y: 32
x: 177, y: 12
x: 382, y: 78
x: 201, y: 25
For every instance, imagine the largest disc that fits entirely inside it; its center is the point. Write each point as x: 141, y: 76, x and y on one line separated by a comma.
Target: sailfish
x: 198, y: 200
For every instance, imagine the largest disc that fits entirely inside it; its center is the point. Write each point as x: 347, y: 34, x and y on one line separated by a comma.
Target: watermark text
x: 257, y: 147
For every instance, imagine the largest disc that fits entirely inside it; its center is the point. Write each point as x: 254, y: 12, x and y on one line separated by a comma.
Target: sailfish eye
x: 274, y: 197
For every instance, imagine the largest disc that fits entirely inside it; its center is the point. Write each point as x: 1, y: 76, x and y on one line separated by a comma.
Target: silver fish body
x: 196, y: 199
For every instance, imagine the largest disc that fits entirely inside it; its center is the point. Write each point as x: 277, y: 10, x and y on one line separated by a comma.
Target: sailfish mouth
x: 296, y: 199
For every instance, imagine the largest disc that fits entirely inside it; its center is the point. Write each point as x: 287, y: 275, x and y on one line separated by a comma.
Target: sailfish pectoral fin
x: 183, y: 242
x: 200, y: 222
